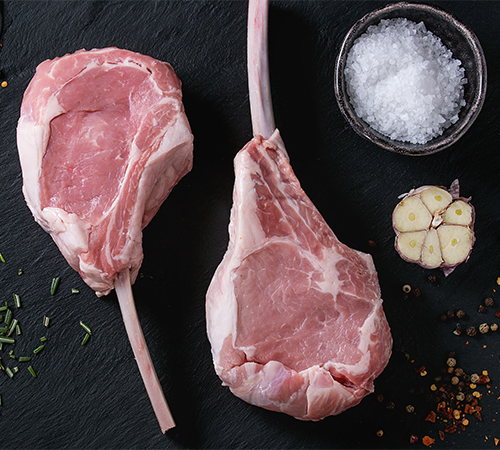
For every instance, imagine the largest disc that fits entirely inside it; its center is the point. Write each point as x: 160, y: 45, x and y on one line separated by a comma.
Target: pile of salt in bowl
x: 404, y: 82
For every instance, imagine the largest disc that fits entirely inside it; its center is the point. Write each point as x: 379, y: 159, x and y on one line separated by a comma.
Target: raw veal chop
x: 294, y: 317
x: 102, y: 139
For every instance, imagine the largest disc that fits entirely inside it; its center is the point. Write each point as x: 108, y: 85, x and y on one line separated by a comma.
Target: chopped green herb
x: 9, y: 372
x: 7, y: 340
x: 85, y: 327
x: 85, y: 339
x: 1, y: 345
x: 75, y: 291
x: 13, y: 326
x: 20, y: 272
x: 46, y: 321
x: 15, y: 369
x: 8, y: 316
x: 1, y: 318
x: 2, y: 258
x: 18, y: 329
x: 4, y: 330
x: 38, y: 349
x: 24, y: 358
x: 43, y: 339
x: 11, y: 354
x: 3, y: 308
x: 17, y: 301
x: 54, y: 285
x: 0, y: 399
x: 32, y: 371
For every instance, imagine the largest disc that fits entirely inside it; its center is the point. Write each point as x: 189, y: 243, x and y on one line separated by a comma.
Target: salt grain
x: 404, y: 82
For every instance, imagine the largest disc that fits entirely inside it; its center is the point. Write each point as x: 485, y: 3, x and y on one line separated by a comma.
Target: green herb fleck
x: 9, y: 372
x: 7, y: 340
x: 85, y: 339
x: 17, y: 301
x: 8, y: 317
x: 54, y: 285
x: 75, y: 291
x: 43, y: 339
x: 20, y: 271
x: 11, y: 354
x: 2, y: 258
x: 24, y: 358
x: 15, y: 369
x: 12, y: 327
x: 46, y: 321
x: 18, y: 329
x: 38, y: 349
x: 32, y: 371
x: 85, y: 327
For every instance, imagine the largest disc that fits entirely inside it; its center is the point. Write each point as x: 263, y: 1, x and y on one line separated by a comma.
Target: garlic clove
x: 410, y: 244
x: 411, y: 215
x: 435, y: 199
x: 458, y: 213
x: 431, y: 252
x: 456, y: 243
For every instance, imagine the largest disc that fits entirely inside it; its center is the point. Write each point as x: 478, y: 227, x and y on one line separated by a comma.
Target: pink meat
x: 294, y: 317
x: 103, y: 139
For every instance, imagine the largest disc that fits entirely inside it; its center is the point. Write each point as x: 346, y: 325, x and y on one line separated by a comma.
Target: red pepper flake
x: 441, y: 435
x: 497, y: 314
x: 431, y: 417
x: 413, y: 439
x: 496, y: 441
x: 427, y: 440
x: 450, y: 429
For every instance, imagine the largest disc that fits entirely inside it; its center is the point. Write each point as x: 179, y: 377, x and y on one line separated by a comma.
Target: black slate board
x: 92, y: 396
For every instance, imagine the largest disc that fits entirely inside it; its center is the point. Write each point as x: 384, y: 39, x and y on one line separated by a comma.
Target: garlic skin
x: 434, y: 227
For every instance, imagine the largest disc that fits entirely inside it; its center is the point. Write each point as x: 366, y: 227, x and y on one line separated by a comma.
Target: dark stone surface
x: 92, y: 396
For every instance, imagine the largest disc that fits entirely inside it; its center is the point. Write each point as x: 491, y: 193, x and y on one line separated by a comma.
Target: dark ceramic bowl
x: 464, y: 45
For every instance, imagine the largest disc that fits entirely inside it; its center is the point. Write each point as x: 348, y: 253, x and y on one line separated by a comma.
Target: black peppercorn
x: 471, y: 331
x: 488, y: 301
x: 431, y: 279
x: 481, y: 308
x: 460, y: 314
x: 443, y: 317
x: 450, y: 314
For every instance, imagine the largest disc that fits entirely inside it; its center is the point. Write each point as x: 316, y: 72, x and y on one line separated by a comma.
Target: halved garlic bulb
x: 434, y: 227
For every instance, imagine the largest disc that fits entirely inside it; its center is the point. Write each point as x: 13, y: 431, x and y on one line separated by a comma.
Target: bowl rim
x: 377, y: 138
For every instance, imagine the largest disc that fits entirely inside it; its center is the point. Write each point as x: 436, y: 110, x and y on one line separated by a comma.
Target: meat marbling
x: 294, y: 317
x: 102, y: 140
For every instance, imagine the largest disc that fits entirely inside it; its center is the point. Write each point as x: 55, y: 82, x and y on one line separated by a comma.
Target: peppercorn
x: 372, y: 243
x: 451, y: 362
x: 443, y: 317
x: 474, y: 378
x: 460, y: 396
x: 406, y: 288
x: 431, y: 279
x: 484, y: 328
x: 416, y: 292
x: 468, y: 397
x: 413, y: 439
x: 458, y: 330
x: 410, y: 408
x: 481, y: 308
x: 488, y: 301
x: 390, y: 405
x: 455, y: 381
x: 380, y: 433
x: 460, y: 314
x: 471, y: 331
x: 459, y: 372
x: 493, y: 327
x: 380, y: 397
x: 450, y: 314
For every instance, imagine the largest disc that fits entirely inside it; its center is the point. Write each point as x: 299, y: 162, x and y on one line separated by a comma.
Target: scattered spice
x: 427, y: 440
x: 481, y: 309
x: 451, y: 362
x: 460, y: 314
x: 488, y: 301
x: 493, y: 327
x: 380, y: 433
x: 432, y: 279
x: 406, y: 288
x: 484, y: 328
x: 413, y: 439
x: 410, y: 409
x: 471, y: 331
x: 4, y: 84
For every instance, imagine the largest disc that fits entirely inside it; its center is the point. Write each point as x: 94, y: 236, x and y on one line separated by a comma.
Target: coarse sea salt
x: 404, y: 82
